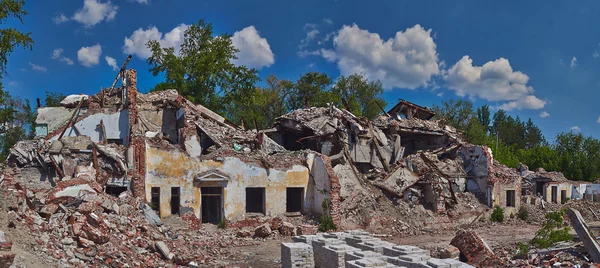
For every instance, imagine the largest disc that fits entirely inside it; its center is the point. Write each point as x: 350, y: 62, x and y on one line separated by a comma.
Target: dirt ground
x: 498, y: 236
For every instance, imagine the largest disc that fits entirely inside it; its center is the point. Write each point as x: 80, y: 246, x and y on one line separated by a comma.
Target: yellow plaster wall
x: 561, y: 186
x: 167, y: 169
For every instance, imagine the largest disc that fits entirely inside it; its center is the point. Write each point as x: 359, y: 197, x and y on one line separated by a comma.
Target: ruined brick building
x: 184, y: 159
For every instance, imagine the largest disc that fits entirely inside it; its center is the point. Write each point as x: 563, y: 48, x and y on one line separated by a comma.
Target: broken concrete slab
x: 151, y: 216
x: 585, y: 234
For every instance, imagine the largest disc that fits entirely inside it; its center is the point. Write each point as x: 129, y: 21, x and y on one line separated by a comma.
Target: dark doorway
x: 563, y: 196
x: 539, y: 188
x: 175, y: 192
x: 211, y: 204
x: 294, y: 198
x: 554, y: 194
x: 115, y: 190
x: 510, y: 198
x: 155, y: 199
x: 255, y: 200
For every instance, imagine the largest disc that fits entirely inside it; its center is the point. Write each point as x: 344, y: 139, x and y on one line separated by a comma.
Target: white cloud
x: 598, y: 120
x: 111, y: 62
x: 60, y: 19
x: 38, y: 68
x: 328, y: 21
x: 142, y: 1
x: 596, y: 54
x: 575, y: 129
x: 326, y: 38
x: 255, y: 51
x: 494, y: 81
x: 408, y: 60
x: 67, y: 60
x: 544, y: 114
x: 528, y: 102
x: 311, y: 33
x: 57, y: 53
x: 573, y: 62
x: 89, y: 56
x: 136, y: 43
x: 94, y: 12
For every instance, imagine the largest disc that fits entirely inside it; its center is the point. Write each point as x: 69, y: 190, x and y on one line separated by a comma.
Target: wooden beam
x: 71, y: 119
x: 95, y: 154
x: 60, y: 172
x: 381, y: 107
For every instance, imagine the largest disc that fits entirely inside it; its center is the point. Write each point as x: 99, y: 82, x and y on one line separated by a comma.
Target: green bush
x: 523, y: 213
x: 522, y: 248
x: 497, y: 214
x: 326, y: 221
x: 222, y: 224
x: 326, y: 224
x: 552, y: 231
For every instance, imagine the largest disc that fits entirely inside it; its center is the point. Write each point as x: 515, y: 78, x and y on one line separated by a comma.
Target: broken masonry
x: 184, y: 159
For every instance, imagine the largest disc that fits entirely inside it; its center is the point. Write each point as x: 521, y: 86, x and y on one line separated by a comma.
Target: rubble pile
x: 407, y: 161
x: 92, y: 228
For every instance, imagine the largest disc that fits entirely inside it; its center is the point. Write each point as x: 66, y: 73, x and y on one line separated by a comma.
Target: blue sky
x: 537, y: 59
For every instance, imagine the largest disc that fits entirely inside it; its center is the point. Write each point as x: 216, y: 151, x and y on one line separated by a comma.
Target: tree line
x: 514, y: 141
x: 202, y: 71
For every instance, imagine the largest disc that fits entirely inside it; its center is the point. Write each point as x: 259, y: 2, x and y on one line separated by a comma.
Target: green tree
x: 458, y: 113
x: 267, y: 103
x: 360, y: 94
x: 15, y: 115
x: 203, y: 70
x: 53, y: 99
x: 312, y: 89
x: 10, y: 38
x: 533, y: 135
x: 483, y: 116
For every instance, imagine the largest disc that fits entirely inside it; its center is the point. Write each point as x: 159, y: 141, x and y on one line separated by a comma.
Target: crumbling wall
x: 116, y: 126
x: 560, y: 186
x: 499, y: 197
x: 171, y: 168
x: 50, y: 118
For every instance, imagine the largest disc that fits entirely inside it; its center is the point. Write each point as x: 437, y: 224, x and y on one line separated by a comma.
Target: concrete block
x: 395, y: 251
x: 297, y: 255
x: 410, y: 261
x: 357, y: 239
x: 337, y: 235
x: 369, y: 262
x: 318, y: 245
x: 334, y: 255
x: 374, y: 245
x: 306, y: 239
x: 357, y: 255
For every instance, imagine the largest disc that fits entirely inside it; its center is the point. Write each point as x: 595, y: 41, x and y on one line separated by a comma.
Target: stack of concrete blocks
x: 297, y: 255
x: 369, y: 262
x: 318, y: 245
x: 356, y: 248
x: 395, y: 251
x: 306, y: 239
x: 357, y: 255
x: 374, y: 245
x: 424, y: 261
x: 334, y: 255
x: 354, y: 240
